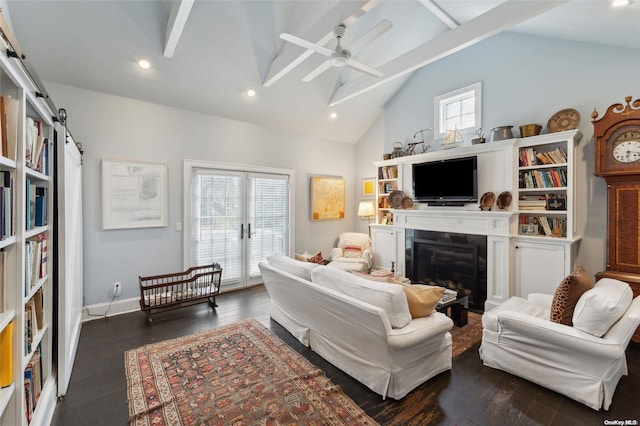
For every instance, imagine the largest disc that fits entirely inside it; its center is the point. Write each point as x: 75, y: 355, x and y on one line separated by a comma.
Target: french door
x: 236, y: 217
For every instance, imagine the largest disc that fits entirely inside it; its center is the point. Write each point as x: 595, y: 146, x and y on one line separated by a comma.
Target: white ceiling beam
x: 496, y: 20
x: 439, y: 13
x: 175, y: 26
x: 291, y: 56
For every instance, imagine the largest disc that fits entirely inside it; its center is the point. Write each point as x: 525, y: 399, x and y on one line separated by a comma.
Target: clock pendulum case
x: 617, y: 159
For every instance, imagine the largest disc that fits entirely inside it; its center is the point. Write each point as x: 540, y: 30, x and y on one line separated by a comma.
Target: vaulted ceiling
x: 206, y: 54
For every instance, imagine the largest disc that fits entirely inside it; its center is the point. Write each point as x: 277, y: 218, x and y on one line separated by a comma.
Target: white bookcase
x: 27, y: 282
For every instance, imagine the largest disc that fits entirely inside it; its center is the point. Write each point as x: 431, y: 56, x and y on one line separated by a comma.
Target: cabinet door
x: 384, y: 247
x: 539, y: 267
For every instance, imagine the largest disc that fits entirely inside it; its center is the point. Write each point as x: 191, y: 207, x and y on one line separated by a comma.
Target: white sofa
x: 583, y: 361
x: 374, y: 341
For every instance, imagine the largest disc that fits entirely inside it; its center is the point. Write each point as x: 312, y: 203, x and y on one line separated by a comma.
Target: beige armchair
x: 353, y: 252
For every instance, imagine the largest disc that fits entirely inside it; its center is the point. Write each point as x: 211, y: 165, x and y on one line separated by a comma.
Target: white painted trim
x: 175, y: 26
x: 118, y: 307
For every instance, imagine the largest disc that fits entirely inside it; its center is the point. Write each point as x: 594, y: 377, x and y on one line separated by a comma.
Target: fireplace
x: 451, y: 260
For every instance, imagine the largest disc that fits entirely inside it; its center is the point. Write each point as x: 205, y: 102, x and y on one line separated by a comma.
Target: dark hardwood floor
x: 469, y: 394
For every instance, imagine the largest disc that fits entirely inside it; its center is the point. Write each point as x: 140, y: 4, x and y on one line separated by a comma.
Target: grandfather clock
x: 617, y: 159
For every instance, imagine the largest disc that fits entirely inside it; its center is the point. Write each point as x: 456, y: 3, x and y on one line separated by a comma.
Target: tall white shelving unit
x: 30, y: 352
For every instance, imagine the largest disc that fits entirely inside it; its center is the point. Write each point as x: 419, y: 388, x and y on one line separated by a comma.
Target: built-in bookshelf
x: 387, y: 181
x: 28, y: 392
x: 545, y: 185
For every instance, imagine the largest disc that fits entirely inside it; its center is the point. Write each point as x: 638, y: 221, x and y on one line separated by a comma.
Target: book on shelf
x: 6, y: 355
x: 40, y: 218
x: 3, y: 128
x: 3, y: 277
x: 32, y: 384
x: 35, y: 253
x: 7, y: 195
x: 10, y: 127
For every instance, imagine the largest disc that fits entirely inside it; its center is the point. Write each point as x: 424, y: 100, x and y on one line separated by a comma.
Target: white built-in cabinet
x: 532, y: 244
x: 384, y: 246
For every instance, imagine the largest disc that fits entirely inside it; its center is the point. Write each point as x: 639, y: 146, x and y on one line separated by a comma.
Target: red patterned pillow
x: 352, y: 251
x: 567, y: 295
x: 316, y: 258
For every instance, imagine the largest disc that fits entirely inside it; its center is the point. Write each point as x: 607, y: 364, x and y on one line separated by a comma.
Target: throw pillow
x: 304, y: 257
x: 352, y: 251
x: 602, y: 306
x: 567, y: 294
x: 316, y: 258
x: 422, y: 299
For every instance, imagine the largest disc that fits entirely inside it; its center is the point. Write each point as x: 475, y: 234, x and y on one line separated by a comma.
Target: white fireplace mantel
x: 497, y: 226
x: 477, y: 222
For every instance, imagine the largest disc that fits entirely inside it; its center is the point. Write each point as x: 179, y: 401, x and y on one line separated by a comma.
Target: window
x: 459, y: 109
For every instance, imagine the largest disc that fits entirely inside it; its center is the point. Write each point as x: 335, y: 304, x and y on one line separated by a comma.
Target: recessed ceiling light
x: 251, y: 93
x: 620, y: 3
x: 334, y: 115
x: 144, y: 64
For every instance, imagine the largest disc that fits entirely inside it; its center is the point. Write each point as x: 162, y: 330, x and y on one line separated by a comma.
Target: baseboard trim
x: 103, y: 310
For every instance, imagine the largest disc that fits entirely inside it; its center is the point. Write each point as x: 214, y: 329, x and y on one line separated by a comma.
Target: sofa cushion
x: 390, y: 298
x: 422, y: 299
x: 567, y: 294
x: 602, y: 306
x: 292, y: 266
x: 304, y: 257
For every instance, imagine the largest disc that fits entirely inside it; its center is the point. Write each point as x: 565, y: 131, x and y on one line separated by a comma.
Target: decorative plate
x: 395, y: 198
x: 487, y: 200
x: 407, y: 203
x: 504, y: 200
x: 567, y: 119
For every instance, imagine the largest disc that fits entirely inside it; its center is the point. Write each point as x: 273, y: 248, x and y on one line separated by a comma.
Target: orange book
x: 6, y: 355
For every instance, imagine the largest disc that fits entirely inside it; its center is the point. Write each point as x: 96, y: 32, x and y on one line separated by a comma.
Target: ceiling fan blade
x: 372, y: 34
x: 306, y: 44
x: 364, y: 68
x: 322, y: 68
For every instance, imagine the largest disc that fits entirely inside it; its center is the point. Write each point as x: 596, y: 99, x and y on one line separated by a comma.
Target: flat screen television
x: 450, y: 182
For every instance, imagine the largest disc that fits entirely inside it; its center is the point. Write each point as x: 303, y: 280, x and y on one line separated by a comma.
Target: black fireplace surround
x: 450, y: 260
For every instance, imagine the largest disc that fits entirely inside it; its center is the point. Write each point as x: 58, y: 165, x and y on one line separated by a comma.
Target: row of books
x: 7, y: 204
x: 388, y: 172
x: 35, y: 261
x: 544, y: 225
x: 36, y: 205
x: 552, y: 178
x: 543, y: 202
x: 9, y: 109
x: 34, y: 319
x: 32, y: 384
x: 36, y: 148
x: 529, y: 157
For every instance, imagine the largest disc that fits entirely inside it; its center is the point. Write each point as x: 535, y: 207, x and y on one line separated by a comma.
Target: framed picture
x: 327, y: 198
x: 528, y: 229
x: 368, y: 187
x: 134, y: 194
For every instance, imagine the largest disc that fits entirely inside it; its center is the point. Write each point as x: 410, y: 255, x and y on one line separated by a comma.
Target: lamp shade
x: 366, y: 209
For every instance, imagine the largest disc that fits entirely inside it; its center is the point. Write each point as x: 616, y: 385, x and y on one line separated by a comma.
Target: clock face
x: 619, y: 151
x: 626, y: 150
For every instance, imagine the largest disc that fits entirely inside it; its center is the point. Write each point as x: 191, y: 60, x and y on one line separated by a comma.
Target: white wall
x: 115, y: 127
x: 526, y: 80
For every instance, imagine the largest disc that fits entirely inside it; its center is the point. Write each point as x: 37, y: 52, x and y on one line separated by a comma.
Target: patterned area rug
x: 467, y: 336
x: 238, y: 374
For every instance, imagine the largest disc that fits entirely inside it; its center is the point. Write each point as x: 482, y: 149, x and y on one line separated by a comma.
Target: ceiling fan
x: 340, y: 57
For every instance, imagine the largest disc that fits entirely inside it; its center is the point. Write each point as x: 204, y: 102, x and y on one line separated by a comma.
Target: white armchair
x: 519, y: 338
x: 353, y: 252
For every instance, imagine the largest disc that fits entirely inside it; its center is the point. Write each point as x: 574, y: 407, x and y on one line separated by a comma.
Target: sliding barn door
x: 69, y: 287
